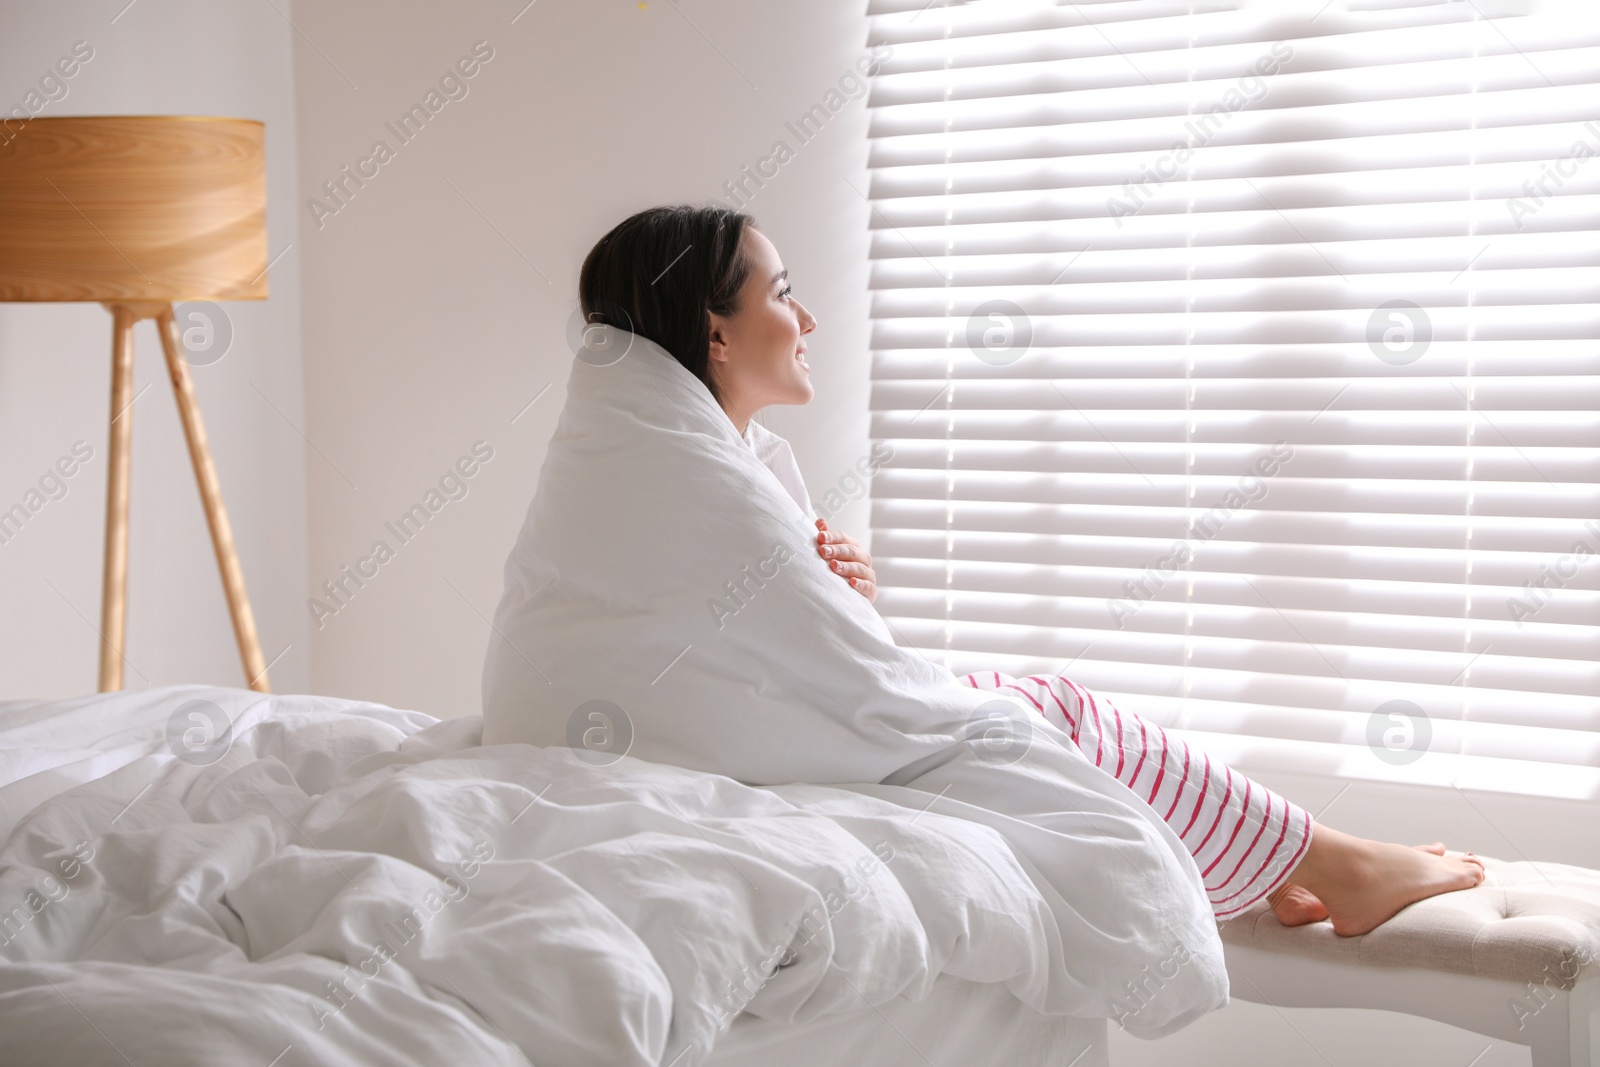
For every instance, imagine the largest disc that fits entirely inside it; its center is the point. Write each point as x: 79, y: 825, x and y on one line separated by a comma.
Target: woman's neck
x: 740, y: 419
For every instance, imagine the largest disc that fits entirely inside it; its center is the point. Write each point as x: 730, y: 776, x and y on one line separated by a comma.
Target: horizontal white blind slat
x: 1300, y: 676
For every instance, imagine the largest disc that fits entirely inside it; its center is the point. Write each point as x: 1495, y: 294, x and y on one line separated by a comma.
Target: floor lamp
x: 138, y: 212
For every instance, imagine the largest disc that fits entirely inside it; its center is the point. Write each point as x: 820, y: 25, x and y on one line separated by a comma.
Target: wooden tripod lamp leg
x: 205, y: 473
x: 114, y: 581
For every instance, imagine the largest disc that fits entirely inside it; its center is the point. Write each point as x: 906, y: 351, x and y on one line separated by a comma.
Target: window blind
x: 1242, y: 362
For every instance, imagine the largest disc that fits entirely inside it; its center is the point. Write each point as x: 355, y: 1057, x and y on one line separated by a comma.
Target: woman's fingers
x: 834, y: 545
x: 852, y: 570
x: 848, y: 560
x: 860, y: 575
x: 825, y: 535
x: 850, y: 553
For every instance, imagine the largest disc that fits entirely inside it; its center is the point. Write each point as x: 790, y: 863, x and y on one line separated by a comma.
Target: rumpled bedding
x: 664, y: 599
x: 312, y: 880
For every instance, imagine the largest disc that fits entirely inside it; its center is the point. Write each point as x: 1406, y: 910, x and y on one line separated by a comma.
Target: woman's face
x: 757, y: 356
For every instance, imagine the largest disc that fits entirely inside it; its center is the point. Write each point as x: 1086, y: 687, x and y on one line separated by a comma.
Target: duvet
x: 194, y: 875
x: 664, y: 599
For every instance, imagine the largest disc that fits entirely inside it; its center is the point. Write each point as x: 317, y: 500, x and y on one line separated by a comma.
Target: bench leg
x: 1562, y: 1032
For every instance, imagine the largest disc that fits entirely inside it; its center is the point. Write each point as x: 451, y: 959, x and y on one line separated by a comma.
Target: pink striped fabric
x: 1244, y: 837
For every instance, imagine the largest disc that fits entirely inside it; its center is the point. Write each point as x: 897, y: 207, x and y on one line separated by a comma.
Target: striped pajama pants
x: 1244, y: 838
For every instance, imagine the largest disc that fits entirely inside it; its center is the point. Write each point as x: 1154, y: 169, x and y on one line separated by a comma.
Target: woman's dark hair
x: 658, y: 272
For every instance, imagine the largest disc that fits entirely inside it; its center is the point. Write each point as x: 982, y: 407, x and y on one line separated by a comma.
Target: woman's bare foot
x: 1295, y: 905
x: 1360, y: 884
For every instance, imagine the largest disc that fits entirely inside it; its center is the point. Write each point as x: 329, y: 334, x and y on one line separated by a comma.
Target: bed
x: 197, y: 874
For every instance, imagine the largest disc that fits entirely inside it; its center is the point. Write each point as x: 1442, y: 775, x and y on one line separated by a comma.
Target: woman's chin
x: 801, y: 392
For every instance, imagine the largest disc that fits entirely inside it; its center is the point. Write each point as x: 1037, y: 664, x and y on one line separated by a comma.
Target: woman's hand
x: 848, y: 559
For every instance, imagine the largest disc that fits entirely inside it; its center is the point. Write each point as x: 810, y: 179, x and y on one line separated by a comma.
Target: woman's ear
x: 718, y: 352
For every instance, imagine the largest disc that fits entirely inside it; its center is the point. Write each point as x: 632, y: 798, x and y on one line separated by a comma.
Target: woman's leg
x: 1244, y: 838
x: 1248, y: 842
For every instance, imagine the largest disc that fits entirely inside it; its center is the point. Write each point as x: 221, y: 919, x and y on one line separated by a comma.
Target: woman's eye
x: 785, y: 291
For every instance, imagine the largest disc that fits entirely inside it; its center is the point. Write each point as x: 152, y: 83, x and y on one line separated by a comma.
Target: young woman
x: 710, y: 288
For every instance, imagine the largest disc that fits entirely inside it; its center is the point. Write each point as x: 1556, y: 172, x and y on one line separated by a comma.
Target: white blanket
x: 664, y: 598
x: 349, y: 883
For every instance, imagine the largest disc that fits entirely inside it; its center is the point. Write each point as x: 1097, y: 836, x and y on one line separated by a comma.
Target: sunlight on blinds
x: 1242, y: 361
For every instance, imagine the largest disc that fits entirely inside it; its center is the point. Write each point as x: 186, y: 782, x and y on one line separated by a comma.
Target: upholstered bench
x: 1517, y: 958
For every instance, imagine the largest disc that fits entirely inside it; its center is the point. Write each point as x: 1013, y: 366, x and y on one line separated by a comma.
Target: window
x: 1243, y: 362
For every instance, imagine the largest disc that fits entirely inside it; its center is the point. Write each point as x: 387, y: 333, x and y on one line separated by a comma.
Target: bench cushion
x: 1527, y: 922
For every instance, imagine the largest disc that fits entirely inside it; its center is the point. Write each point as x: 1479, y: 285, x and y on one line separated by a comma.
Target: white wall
x: 437, y: 298
x: 171, y: 57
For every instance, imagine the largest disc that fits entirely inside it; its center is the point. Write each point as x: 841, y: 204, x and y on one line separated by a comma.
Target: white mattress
x: 959, y: 1024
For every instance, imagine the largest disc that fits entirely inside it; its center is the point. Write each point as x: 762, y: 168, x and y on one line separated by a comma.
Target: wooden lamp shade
x: 138, y: 212
x: 139, y: 207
